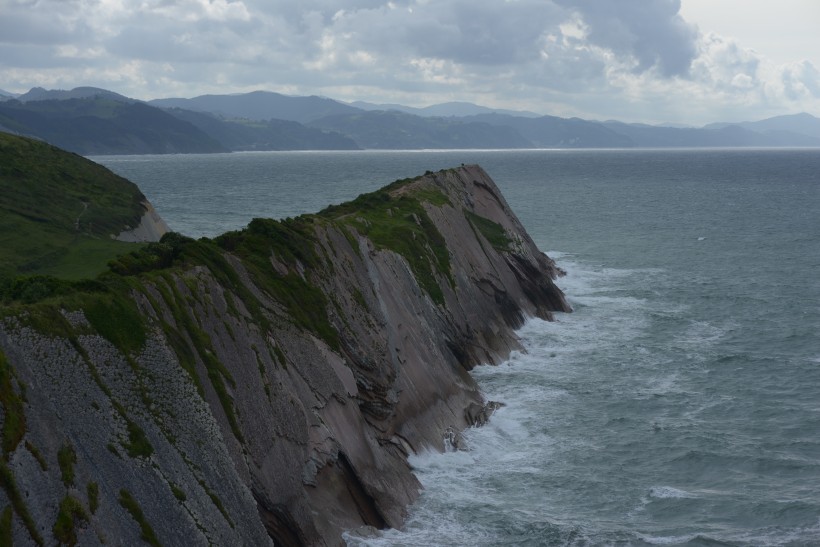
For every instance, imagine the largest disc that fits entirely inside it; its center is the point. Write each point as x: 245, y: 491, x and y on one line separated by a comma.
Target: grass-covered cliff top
x: 58, y: 211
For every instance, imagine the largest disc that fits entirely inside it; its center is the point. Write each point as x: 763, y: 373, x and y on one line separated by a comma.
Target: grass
x: 59, y: 210
x: 179, y: 494
x: 78, y: 258
x: 492, y: 231
x: 37, y: 455
x: 16, y: 498
x: 217, y: 502
x: 71, y: 513
x: 14, y: 418
x: 66, y: 458
x: 93, y: 491
x: 216, y: 371
x: 398, y: 221
x: 6, y: 536
x: 131, y: 505
x: 293, y: 243
x: 138, y: 444
x: 115, y: 317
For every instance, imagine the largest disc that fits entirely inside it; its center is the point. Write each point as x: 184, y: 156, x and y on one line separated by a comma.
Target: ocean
x: 679, y: 404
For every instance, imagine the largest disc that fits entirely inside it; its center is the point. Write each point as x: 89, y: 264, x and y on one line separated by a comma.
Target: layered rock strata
x: 270, y: 385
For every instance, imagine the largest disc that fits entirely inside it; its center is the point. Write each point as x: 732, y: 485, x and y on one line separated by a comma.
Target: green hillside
x: 59, y: 210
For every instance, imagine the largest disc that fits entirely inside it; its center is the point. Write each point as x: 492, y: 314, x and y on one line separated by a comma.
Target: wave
x: 606, y: 409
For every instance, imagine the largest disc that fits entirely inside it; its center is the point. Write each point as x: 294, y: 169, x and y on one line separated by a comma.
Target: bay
x: 679, y: 404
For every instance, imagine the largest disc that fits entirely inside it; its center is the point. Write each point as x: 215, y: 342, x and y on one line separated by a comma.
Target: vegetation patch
x: 71, y: 514
x: 10, y: 486
x: 93, y: 491
x: 154, y: 256
x: 131, y: 505
x: 217, y: 373
x: 14, y: 418
x: 37, y: 288
x: 138, y: 444
x: 400, y: 223
x: 280, y: 356
x: 58, y: 211
x: 6, y: 536
x: 116, y: 318
x: 492, y: 231
x: 292, y: 243
x: 66, y: 458
x: 37, y: 455
x: 217, y: 502
x: 179, y: 494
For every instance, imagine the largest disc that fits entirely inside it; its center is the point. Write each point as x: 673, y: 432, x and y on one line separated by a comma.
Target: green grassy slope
x: 58, y: 211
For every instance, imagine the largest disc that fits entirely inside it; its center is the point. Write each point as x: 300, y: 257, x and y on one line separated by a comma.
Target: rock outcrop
x: 151, y: 227
x: 268, y: 385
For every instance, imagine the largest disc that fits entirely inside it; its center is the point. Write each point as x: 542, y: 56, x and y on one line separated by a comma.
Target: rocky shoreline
x: 242, y: 399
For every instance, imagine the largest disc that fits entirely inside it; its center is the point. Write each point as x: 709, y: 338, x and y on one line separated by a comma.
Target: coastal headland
x: 267, y: 384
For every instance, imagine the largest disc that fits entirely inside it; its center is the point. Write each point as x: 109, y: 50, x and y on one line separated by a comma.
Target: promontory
x: 267, y: 385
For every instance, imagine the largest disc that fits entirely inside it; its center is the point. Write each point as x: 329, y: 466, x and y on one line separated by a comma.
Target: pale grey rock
x: 151, y: 227
x: 307, y: 439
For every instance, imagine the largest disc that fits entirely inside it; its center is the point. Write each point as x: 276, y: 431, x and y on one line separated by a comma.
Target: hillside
x: 266, y: 386
x: 105, y: 125
x: 554, y: 132
x: 397, y: 130
x: 93, y: 121
x: 245, y: 135
x: 59, y: 211
x: 260, y: 106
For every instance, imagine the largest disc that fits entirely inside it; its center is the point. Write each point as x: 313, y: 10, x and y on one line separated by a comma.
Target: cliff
x: 151, y: 226
x: 268, y: 384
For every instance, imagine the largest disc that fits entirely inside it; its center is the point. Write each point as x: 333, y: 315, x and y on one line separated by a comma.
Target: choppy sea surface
x: 679, y: 404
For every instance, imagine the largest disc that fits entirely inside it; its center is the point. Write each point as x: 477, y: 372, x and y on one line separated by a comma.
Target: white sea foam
x: 669, y: 492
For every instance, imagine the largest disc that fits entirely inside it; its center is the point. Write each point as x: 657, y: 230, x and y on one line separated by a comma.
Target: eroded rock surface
x: 241, y: 414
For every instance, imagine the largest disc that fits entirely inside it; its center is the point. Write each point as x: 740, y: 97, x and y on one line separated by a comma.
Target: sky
x: 653, y: 61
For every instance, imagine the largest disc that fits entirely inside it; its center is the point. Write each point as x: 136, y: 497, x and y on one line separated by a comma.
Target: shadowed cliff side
x: 267, y: 384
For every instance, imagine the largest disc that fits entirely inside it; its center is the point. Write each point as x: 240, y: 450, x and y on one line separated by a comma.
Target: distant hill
x: 59, y: 211
x: 40, y: 94
x: 794, y: 124
x: 553, y: 132
x: 397, y: 130
x: 4, y: 95
x: 90, y: 120
x: 451, y: 109
x: 102, y: 125
x: 260, y: 105
x: 244, y: 135
x: 729, y: 135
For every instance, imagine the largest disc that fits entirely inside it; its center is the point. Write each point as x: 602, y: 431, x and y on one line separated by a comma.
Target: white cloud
x: 632, y: 59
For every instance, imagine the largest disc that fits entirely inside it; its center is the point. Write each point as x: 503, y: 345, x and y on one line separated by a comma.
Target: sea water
x: 679, y: 404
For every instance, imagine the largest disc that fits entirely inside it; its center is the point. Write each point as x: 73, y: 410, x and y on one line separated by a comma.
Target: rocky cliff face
x: 150, y: 228
x: 270, y: 384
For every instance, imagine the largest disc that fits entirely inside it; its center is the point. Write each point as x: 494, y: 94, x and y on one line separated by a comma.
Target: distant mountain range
x: 444, y: 109
x: 90, y: 121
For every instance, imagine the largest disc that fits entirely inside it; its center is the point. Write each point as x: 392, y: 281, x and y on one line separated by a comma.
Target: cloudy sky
x: 682, y: 61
